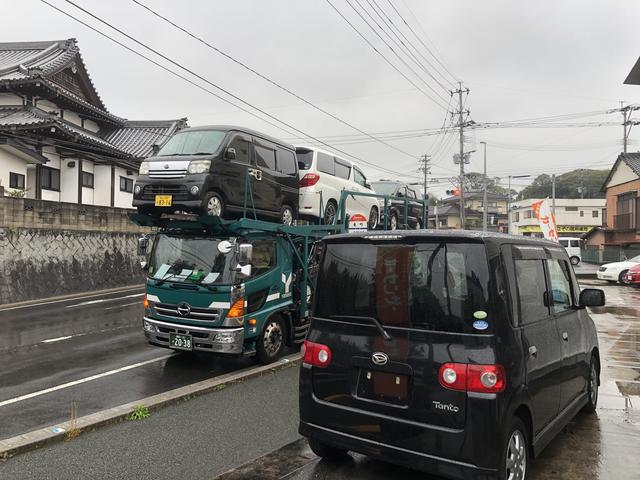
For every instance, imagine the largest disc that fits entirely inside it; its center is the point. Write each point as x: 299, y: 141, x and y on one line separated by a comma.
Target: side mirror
x: 592, y: 297
x: 143, y: 243
x: 224, y: 247
x: 155, y: 148
x: 245, y: 253
x: 230, y: 154
x: 243, y: 271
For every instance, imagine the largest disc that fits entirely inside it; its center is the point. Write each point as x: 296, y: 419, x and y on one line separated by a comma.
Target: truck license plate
x: 163, y: 200
x: 180, y: 342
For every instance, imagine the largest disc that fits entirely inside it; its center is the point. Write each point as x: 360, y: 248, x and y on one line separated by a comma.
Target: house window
x: 87, y: 180
x: 528, y: 214
x: 16, y: 180
x: 571, y: 209
x: 126, y: 185
x: 517, y: 217
x: 582, y: 213
x: 594, y: 213
x: 50, y: 179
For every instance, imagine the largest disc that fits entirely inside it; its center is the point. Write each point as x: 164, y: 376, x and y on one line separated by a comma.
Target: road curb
x: 45, y: 436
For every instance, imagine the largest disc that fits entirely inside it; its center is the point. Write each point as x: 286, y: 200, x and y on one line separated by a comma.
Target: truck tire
x: 271, y: 342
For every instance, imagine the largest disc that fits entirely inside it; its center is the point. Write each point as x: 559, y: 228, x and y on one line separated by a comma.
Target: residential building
x: 58, y: 141
x: 574, y: 216
x: 449, y: 212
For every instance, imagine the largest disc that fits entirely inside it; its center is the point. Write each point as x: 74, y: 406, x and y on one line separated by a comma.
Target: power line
x: 264, y: 77
x: 203, y: 79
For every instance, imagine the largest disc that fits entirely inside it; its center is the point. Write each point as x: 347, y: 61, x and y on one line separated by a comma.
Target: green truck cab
x: 228, y: 287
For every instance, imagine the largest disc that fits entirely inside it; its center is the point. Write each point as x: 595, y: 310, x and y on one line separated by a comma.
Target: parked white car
x: 572, y: 246
x: 615, y: 272
x: 322, y: 171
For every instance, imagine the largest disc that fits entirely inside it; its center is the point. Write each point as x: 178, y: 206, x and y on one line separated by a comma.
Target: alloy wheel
x: 287, y: 216
x: 214, y: 207
x: 393, y: 222
x: 516, y: 466
x: 593, y: 384
x: 329, y: 213
x: 373, y: 218
x: 273, y: 338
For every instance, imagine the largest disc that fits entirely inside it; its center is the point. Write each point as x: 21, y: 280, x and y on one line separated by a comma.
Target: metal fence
x: 609, y: 254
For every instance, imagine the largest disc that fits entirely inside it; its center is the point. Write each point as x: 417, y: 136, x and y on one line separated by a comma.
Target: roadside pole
x: 553, y: 193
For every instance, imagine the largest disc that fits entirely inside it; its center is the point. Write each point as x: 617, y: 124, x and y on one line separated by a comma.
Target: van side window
x: 560, y: 288
x: 575, y: 243
x: 326, y: 163
x: 264, y: 256
x: 342, y: 170
x: 265, y: 157
x: 564, y: 243
x: 286, y: 162
x: 531, y: 284
x: 242, y: 149
x: 359, y: 177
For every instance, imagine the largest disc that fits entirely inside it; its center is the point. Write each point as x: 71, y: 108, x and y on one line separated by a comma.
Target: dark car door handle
x: 565, y: 336
x: 533, y: 351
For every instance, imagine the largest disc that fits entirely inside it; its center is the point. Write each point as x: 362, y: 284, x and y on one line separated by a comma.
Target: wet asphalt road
x: 49, y: 345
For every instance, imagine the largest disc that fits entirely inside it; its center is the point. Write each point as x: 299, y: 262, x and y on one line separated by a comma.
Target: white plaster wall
x: 10, y: 163
x: 46, y: 105
x: 31, y: 181
x: 68, y: 181
x: 72, y: 117
x: 10, y: 99
x: 122, y: 199
x: 622, y: 174
x: 102, y: 185
x: 91, y: 125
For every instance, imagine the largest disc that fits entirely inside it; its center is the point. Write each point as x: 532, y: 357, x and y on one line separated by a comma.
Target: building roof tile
x: 138, y: 137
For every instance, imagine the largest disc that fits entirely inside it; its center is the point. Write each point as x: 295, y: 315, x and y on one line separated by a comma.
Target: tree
x: 568, y: 185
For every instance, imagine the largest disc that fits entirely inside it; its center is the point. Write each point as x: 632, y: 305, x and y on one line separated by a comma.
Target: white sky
x: 521, y: 59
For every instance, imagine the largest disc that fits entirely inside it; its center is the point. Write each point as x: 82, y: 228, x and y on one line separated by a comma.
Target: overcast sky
x: 520, y: 60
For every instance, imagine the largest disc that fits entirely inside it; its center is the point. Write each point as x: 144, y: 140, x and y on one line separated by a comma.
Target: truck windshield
x: 438, y: 286
x: 199, y: 142
x: 190, y: 260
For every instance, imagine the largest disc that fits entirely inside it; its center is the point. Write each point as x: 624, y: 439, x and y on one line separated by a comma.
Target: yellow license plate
x: 163, y: 200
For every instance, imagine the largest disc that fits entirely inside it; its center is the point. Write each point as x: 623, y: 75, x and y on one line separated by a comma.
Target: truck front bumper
x: 214, y: 340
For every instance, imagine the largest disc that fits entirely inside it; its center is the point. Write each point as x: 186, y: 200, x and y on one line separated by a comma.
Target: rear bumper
x: 428, y: 463
x: 213, y: 340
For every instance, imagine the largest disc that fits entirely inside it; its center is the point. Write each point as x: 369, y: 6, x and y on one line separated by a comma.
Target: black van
x: 204, y: 169
x: 457, y: 353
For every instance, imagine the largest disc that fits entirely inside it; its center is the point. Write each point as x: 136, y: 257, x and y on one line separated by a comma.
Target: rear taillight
x: 472, y: 378
x: 316, y: 354
x: 309, y: 180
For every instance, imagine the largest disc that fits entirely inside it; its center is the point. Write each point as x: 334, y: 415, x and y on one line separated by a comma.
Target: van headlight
x: 199, y: 166
x: 144, y: 168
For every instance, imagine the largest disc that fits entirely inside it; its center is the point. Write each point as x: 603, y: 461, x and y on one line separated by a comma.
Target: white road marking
x: 102, y: 300
x: 82, y: 380
x: 123, y: 305
x: 51, y: 340
x: 64, y: 300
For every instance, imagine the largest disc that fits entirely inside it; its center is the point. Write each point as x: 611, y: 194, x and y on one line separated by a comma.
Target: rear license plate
x: 180, y: 342
x: 383, y: 386
x: 163, y: 200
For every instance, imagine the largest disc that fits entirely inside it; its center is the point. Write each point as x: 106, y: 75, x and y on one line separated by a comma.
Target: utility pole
x: 461, y: 124
x: 581, y: 187
x: 484, y: 190
x: 425, y: 168
x: 553, y: 194
x: 627, y: 123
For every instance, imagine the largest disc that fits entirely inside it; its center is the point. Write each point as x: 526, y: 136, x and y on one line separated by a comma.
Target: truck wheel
x: 213, y: 205
x: 271, y: 342
x: 575, y: 260
x: 326, y: 451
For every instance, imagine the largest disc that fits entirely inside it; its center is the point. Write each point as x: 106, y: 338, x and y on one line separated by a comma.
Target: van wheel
x: 592, y: 386
x: 270, y: 344
x: 286, y: 215
x: 373, y: 218
x: 213, y: 205
x: 622, y: 278
x: 330, y: 212
x: 393, y: 221
x: 515, y: 452
x: 575, y: 260
x: 326, y: 451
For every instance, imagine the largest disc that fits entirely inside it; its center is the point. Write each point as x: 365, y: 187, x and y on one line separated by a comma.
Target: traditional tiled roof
x: 631, y: 159
x: 138, y: 137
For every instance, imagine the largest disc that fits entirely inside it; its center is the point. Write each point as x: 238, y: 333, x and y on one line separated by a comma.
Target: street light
x: 484, y: 190
x: 509, y: 200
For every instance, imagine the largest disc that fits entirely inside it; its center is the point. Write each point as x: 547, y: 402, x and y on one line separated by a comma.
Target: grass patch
x: 140, y: 412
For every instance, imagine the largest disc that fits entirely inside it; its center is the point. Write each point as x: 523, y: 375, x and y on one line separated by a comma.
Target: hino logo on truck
x: 445, y: 406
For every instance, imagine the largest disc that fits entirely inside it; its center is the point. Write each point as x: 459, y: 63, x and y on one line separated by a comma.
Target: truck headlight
x: 144, y: 168
x: 199, y: 166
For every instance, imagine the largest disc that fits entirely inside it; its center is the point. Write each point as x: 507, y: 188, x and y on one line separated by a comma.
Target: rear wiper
x: 375, y: 321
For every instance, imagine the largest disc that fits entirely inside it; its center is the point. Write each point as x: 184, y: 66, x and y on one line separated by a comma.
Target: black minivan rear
x: 401, y: 360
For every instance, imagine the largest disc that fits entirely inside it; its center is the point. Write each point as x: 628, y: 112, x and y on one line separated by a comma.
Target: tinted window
x: 531, y: 284
x: 287, y: 162
x: 575, y: 243
x: 342, y: 170
x: 564, y: 243
x: 87, y: 179
x: 265, y: 157
x: 305, y: 159
x: 193, y: 143
x: 359, y: 177
x: 16, y: 180
x: 326, y: 163
x: 560, y: 285
x: 264, y: 256
x: 50, y: 179
x: 411, y: 193
x: 384, y: 188
x: 241, y: 147
x: 126, y: 184
x: 433, y: 286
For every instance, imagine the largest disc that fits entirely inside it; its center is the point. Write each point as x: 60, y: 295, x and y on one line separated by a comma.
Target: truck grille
x: 179, y: 192
x: 195, y: 314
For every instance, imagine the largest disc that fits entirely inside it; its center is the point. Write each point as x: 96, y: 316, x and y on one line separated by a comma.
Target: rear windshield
x: 305, y: 159
x: 438, y: 286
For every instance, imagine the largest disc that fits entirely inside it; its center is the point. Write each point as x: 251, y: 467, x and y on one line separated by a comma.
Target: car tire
x: 622, y: 279
x: 575, y: 260
x: 592, y: 386
x: 330, y: 212
x: 286, y: 215
x: 325, y: 451
x: 515, y: 452
x: 393, y: 221
x: 373, y: 218
x: 213, y: 205
x: 271, y: 342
